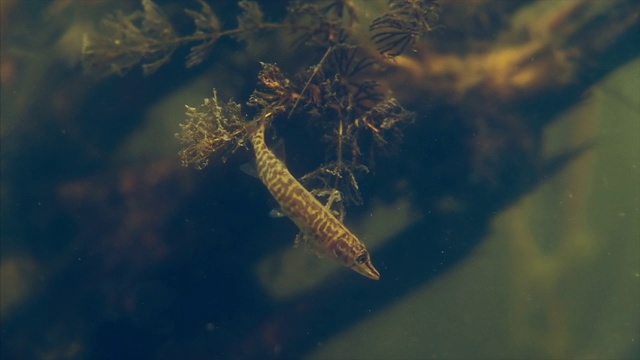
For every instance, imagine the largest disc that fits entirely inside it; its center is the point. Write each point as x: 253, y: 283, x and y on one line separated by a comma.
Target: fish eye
x: 362, y: 258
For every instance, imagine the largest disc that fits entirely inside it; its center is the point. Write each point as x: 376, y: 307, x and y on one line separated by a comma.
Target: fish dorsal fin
x: 250, y: 169
x: 279, y: 151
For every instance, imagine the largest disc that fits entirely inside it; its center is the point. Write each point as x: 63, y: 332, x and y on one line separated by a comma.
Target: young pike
x: 318, y: 226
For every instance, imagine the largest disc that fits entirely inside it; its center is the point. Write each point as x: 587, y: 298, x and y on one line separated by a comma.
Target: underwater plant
x: 485, y: 90
x: 347, y: 110
x: 337, y: 97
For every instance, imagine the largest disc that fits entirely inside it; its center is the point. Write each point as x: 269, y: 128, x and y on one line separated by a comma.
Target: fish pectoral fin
x: 299, y: 240
x: 303, y: 238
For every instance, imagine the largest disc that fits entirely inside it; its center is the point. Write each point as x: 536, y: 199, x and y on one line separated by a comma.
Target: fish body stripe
x: 296, y: 201
x: 318, y: 226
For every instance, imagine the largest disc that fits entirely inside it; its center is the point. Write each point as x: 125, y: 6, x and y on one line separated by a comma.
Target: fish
x: 319, y: 227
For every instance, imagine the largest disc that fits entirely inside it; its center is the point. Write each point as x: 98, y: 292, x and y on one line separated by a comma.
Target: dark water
x: 504, y: 225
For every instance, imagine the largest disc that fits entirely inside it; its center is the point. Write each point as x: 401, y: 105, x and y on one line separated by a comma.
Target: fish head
x: 352, y: 253
x: 363, y: 265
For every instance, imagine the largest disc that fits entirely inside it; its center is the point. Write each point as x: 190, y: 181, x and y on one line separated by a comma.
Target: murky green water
x: 504, y: 226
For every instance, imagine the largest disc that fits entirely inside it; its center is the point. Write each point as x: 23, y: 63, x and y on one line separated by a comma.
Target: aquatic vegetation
x: 338, y: 96
x: 148, y: 38
x: 400, y: 28
x: 210, y: 129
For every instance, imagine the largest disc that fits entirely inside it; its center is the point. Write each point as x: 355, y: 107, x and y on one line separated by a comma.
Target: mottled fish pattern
x: 318, y: 226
